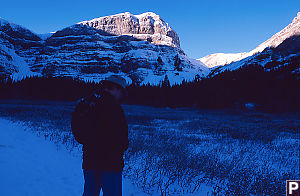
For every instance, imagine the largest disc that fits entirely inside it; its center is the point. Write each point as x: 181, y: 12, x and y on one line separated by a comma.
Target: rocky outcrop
x: 148, y: 26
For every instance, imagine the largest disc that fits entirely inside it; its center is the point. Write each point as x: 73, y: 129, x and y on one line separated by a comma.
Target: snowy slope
x: 220, y: 59
x: 13, y: 37
x: 32, y: 166
x: 12, y: 64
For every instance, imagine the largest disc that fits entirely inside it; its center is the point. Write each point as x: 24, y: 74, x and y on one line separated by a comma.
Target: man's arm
x: 80, y: 122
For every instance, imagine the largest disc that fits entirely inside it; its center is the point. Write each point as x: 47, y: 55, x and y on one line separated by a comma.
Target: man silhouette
x: 99, y: 124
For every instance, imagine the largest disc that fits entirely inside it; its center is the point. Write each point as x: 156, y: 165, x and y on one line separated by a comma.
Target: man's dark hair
x: 105, y: 84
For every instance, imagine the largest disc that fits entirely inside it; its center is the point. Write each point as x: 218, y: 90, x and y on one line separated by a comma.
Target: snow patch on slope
x: 16, y: 63
x: 175, y: 77
x: 218, y: 59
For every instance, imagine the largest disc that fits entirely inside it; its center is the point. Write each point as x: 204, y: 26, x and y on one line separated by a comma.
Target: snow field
x: 33, y: 166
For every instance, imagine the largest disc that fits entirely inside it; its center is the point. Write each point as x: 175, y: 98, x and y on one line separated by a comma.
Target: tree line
x: 277, y: 89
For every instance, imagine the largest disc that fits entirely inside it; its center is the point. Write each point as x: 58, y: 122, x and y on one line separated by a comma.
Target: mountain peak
x: 17, y: 31
x: 152, y: 14
x: 146, y: 26
x: 296, y: 19
x: 124, y: 14
x: 5, y: 22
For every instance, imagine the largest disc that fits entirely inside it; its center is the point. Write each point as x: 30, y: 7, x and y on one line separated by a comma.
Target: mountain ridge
x: 286, y: 54
x: 220, y: 59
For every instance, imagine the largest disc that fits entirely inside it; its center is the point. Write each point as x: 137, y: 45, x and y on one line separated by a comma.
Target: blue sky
x: 204, y: 27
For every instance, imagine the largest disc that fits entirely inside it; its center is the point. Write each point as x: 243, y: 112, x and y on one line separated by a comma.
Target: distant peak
x: 13, y: 25
x: 297, y: 18
x: 147, y: 14
x: 3, y: 21
x: 126, y: 14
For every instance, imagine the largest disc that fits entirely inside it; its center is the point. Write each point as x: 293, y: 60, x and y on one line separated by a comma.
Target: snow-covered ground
x: 172, y: 151
x: 33, y: 166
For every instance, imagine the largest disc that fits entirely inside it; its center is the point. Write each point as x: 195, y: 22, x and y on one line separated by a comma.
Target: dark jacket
x: 105, y: 138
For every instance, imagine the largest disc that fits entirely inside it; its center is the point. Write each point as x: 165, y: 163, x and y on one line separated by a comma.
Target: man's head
x: 116, y: 86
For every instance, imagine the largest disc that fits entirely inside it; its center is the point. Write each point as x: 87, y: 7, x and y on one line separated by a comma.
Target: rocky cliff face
x: 220, y: 59
x: 148, y: 26
x: 90, y: 53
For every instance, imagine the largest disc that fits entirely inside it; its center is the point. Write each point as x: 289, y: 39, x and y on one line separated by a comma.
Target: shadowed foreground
x: 186, y: 151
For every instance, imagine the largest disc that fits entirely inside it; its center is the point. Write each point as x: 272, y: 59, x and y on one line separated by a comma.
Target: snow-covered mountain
x: 143, y: 48
x: 220, y: 59
x: 12, y: 38
x: 285, y: 56
x: 147, y: 26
